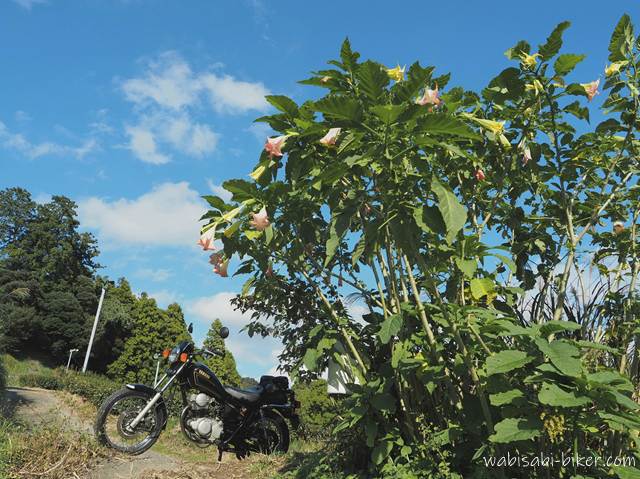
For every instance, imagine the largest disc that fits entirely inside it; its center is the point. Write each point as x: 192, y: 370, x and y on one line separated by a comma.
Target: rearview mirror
x: 190, y: 328
x: 224, y: 332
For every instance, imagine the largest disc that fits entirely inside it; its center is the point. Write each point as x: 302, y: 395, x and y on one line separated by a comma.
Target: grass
x: 17, y: 443
x: 16, y: 368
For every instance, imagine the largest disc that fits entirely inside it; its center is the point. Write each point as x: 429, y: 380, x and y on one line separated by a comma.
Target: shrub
x: 41, y: 380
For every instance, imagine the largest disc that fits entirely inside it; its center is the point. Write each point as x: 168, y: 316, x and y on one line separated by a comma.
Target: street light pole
x: 71, y: 351
x: 93, y: 332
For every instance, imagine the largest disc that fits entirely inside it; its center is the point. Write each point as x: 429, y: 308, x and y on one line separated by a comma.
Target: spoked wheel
x: 113, y: 424
x: 269, y: 435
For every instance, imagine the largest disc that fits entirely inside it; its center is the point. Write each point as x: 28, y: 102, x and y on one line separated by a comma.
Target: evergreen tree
x: 224, y: 367
x: 153, y: 330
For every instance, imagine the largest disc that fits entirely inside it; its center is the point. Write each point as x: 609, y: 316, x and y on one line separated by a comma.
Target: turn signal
x: 165, y: 353
x: 184, y: 357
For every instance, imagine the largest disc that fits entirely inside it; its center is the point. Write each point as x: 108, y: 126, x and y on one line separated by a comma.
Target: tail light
x: 165, y: 353
x: 184, y: 357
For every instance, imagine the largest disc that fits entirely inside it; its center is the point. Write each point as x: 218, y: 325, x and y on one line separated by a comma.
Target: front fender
x: 152, y: 392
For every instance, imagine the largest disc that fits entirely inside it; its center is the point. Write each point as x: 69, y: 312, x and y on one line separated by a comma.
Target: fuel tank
x: 204, y: 379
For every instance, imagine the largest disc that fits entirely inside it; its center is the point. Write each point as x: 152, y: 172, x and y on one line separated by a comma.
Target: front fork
x: 168, y: 380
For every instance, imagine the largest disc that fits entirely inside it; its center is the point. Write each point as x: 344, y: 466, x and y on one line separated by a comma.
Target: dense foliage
x: 49, y: 292
x: 225, y: 366
x: 492, y: 237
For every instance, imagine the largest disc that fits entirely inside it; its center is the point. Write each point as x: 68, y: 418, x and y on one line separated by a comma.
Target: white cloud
x: 166, y: 216
x: 218, y: 190
x: 143, y: 144
x: 206, y: 309
x: 168, y: 97
x: 157, y: 275
x: 164, y: 298
x: 234, y: 96
x: 19, y: 143
x: 28, y: 4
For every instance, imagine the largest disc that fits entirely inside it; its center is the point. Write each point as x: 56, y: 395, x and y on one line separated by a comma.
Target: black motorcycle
x: 236, y: 420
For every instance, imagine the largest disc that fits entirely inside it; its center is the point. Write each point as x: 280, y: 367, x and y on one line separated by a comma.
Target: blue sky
x: 135, y: 108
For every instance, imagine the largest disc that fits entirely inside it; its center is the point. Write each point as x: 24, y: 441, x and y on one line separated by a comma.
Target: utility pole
x: 71, y: 351
x: 93, y: 332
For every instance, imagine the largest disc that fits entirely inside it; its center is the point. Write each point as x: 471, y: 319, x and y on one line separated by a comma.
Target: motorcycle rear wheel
x: 116, y: 413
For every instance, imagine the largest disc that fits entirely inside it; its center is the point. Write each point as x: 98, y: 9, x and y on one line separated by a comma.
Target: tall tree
x: 224, y: 367
x: 153, y: 330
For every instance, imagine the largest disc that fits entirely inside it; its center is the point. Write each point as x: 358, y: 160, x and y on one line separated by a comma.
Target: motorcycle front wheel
x: 112, y: 426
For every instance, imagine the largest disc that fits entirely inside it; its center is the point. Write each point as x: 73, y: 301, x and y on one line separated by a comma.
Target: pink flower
x: 206, y: 240
x: 221, y: 269
x: 215, y: 259
x: 430, y: 97
x: 330, y: 138
x: 260, y: 220
x: 591, y: 89
x: 273, y: 145
x: 479, y: 174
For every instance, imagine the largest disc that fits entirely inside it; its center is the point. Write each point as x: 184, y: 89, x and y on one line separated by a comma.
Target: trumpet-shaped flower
x: 613, y: 68
x: 529, y: 61
x: 260, y: 220
x: 591, y: 89
x: 206, y: 240
x: 396, y: 73
x: 273, y: 146
x: 325, y: 79
x: 479, y: 174
x: 618, y: 227
x: 526, y: 152
x: 215, y: 259
x: 331, y: 137
x: 429, y: 97
x: 221, y: 269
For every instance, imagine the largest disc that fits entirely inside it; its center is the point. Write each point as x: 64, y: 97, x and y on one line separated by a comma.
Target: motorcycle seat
x: 250, y: 395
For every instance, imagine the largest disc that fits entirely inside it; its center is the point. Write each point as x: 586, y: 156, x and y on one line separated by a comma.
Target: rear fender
x: 159, y: 405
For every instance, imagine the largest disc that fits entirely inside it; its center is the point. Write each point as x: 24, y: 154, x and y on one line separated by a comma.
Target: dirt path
x: 40, y: 406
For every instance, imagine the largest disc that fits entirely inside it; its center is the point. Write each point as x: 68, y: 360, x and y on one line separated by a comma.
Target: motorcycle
x: 236, y: 420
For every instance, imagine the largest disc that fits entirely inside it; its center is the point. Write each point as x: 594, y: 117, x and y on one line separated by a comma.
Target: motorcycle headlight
x: 173, y: 356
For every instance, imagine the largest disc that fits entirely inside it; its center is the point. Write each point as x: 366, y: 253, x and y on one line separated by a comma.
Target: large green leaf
x: 372, y: 79
x: 429, y: 219
x: 482, y: 287
x: 555, y: 326
x: 339, y: 107
x: 554, y: 42
x: 567, y: 62
x: 516, y: 429
x: 390, y: 328
x: 443, y: 124
x: 381, y: 452
x: 627, y: 472
x: 284, y: 104
x: 552, y: 395
x: 562, y: 355
x: 388, y: 113
x: 349, y: 57
x: 384, y: 402
x: 621, y: 38
x: 507, y: 397
x: 453, y: 212
x: 505, y: 361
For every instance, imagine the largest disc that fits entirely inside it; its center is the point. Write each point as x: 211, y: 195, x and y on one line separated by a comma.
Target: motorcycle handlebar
x: 211, y: 353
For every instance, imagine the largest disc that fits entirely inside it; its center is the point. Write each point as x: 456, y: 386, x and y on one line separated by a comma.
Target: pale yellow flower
x: 396, y: 73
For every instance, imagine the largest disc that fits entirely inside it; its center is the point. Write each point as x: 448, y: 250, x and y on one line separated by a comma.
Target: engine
x: 201, y: 419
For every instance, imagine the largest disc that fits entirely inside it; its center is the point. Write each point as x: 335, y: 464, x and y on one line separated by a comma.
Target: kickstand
x: 220, y: 454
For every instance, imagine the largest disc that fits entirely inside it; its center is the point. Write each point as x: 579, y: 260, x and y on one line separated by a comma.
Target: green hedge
x: 95, y: 388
